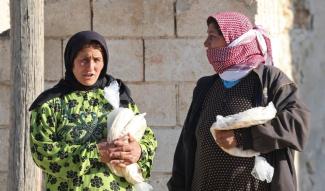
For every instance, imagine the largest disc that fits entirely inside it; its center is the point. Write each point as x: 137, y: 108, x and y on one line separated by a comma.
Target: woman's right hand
x: 106, y: 149
x: 125, y: 152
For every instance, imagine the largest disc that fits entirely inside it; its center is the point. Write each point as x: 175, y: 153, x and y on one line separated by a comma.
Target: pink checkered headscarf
x: 243, y: 55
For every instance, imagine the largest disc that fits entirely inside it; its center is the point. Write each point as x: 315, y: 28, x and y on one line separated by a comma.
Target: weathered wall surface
x: 307, y: 46
x: 277, y: 18
x: 298, y: 40
x: 156, y: 46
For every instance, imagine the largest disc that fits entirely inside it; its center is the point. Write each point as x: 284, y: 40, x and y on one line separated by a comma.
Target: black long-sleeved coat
x: 278, y: 138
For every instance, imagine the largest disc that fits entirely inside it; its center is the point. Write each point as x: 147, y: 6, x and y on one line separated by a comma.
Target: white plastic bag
x: 112, y: 94
x: 255, y: 116
x: 250, y: 117
x: 121, y: 121
x: 262, y: 169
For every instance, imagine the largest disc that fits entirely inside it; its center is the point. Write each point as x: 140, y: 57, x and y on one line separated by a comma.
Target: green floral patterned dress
x: 64, y: 133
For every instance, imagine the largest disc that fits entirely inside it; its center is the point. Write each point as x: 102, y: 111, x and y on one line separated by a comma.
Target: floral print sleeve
x: 148, y: 145
x: 56, y: 157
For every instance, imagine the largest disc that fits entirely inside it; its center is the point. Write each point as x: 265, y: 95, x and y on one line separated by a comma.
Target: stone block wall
x: 153, y: 46
x: 5, y: 92
x: 156, y: 46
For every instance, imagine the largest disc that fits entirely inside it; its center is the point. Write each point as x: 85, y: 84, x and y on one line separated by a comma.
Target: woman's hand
x: 122, y: 151
x: 125, y: 152
x: 225, y: 138
x: 103, y: 148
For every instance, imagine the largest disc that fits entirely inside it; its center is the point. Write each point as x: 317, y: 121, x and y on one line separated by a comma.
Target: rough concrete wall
x: 156, y: 46
x: 307, y: 46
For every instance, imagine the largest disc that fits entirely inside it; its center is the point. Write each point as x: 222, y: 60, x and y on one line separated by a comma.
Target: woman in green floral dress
x: 68, y: 124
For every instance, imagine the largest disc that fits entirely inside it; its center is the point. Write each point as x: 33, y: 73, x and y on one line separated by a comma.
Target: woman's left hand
x: 125, y: 152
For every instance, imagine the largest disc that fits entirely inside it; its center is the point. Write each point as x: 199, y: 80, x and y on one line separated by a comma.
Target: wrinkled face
x: 87, y: 65
x: 214, y: 39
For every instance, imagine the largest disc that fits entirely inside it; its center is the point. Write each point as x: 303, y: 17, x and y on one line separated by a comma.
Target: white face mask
x: 233, y: 75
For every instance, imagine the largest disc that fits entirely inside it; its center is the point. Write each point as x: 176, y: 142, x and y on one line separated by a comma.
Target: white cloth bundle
x: 255, y: 116
x: 122, y: 121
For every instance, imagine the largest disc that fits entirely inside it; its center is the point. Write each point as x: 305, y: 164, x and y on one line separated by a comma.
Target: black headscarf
x: 70, y: 83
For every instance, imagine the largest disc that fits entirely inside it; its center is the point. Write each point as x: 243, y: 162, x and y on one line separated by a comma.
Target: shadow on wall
x: 5, y: 33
